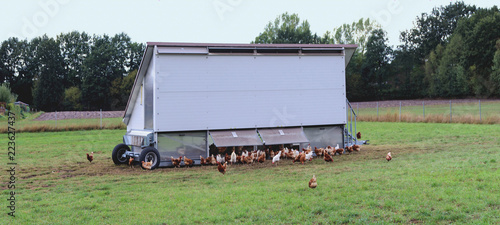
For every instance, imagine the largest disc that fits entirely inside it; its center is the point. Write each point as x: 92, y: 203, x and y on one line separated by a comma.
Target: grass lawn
x: 30, y: 125
x: 460, y: 113
x: 440, y: 174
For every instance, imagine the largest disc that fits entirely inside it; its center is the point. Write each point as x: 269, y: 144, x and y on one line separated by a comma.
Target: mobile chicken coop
x: 189, y: 96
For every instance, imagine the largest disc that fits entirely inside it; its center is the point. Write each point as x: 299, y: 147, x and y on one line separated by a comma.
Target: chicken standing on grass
x: 233, y: 158
x: 202, y: 160
x: 312, y: 182
x: 147, y: 165
x: 388, y: 157
x: 358, y: 135
x: 276, y: 158
x: 221, y: 167
x: 90, y: 157
x: 188, y: 162
x: 327, y: 157
x: 131, y: 162
x: 176, y: 162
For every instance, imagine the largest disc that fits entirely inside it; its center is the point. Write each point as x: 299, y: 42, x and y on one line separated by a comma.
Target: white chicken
x: 220, y: 159
x: 309, y: 156
x: 276, y: 158
x: 233, y: 158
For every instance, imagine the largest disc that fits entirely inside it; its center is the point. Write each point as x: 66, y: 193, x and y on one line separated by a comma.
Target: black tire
x: 150, y: 154
x: 118, y: 152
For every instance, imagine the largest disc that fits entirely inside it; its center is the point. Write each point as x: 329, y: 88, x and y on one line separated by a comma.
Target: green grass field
x: 30, y: 125
x: 440, y: 174
x: 460, y: 113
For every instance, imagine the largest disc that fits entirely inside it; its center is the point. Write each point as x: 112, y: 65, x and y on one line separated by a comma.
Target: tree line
x: 74, y: 71
x: 452, y: 52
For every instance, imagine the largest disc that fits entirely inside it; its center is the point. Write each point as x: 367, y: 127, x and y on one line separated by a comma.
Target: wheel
x: 150, y: 154
x: 118, y: 152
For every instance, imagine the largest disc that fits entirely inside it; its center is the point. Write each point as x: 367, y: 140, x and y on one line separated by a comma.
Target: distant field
x: 440, y: 174
x: 67, y: 121
x: 431, y: 111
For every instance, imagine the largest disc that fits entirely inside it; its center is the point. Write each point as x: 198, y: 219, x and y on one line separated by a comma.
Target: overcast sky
x: 208, y: 21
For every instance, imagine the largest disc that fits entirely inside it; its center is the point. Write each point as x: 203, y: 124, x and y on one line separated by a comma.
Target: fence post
x: 377, y: 111
x: 399, y: 111
x: 56, y: 119
x: 450, y: 112
x: 479, y: 110
x: 357, y: 109
x: 423, y: 108
x: 101, y: 117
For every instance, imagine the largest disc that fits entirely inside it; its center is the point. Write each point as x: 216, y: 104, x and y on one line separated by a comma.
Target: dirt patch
x: 418, y: 102
x: 79, y: 115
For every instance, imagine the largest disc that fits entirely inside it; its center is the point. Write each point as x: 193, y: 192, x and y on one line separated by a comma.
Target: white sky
x: 208, y: 21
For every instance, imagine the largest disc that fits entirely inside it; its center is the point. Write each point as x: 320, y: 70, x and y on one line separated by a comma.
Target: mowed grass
x: 30, y: 125
x: 440, y: 174
x: 460, y: 113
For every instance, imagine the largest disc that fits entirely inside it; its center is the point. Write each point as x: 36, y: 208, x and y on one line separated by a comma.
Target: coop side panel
x: 197, y: 92
x: 140, y: 116
x: 137, y: 118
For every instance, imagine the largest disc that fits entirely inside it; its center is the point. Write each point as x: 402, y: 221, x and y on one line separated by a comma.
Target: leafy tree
x: 285, y: 29
x: 18, y: 67
x: 75, y: 47
x: 480, y: 33
x: 451, y: 80
x: 495, y: 70
x: 435, y: 28
x: 355, y: 33
x: 108, y: 60
x: 120, y: 90
x: 49, y: 89
x: 72, y: 99
x: 6, y: 95
x: 375, y: 69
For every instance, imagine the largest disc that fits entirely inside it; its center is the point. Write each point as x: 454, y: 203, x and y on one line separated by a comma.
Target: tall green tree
x: 75, y: 47
x: 375, y: 69
x: 435, y: 28
x: 354, y: 33
x: 18, y: 65
x: 495, y: 70
x: 49, y: 88
x: 480, y: 33
x: 287, y: 29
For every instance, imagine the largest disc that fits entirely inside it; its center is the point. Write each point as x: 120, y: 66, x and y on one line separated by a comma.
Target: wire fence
x: 432, y: 111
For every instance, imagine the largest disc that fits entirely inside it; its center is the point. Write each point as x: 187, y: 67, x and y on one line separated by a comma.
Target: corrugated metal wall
x: 198, y: 92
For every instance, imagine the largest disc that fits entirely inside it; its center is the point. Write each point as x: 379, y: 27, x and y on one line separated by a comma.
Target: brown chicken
x: 301, y: 158
x: 318, y: 151
x: 358, y: 135
x: 221, y: 167
x: 227, y: 157
x: 312, y: 182
x: 327, y: 157
x: 147, y: 165
x: 90, y: 157
x: 176, y: 162
x: 262, y: 158
x: 339, y: 151
x: 203, y: 161
x: 249, y: 159
x: 131, y: 162
x: 188, y: 162
x: 208, y: 160
x: 348, y: 149
x: 356, y: 148
x: 388, y: 157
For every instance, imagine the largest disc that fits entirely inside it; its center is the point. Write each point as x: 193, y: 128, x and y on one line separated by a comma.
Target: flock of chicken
x: 251, y: 157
